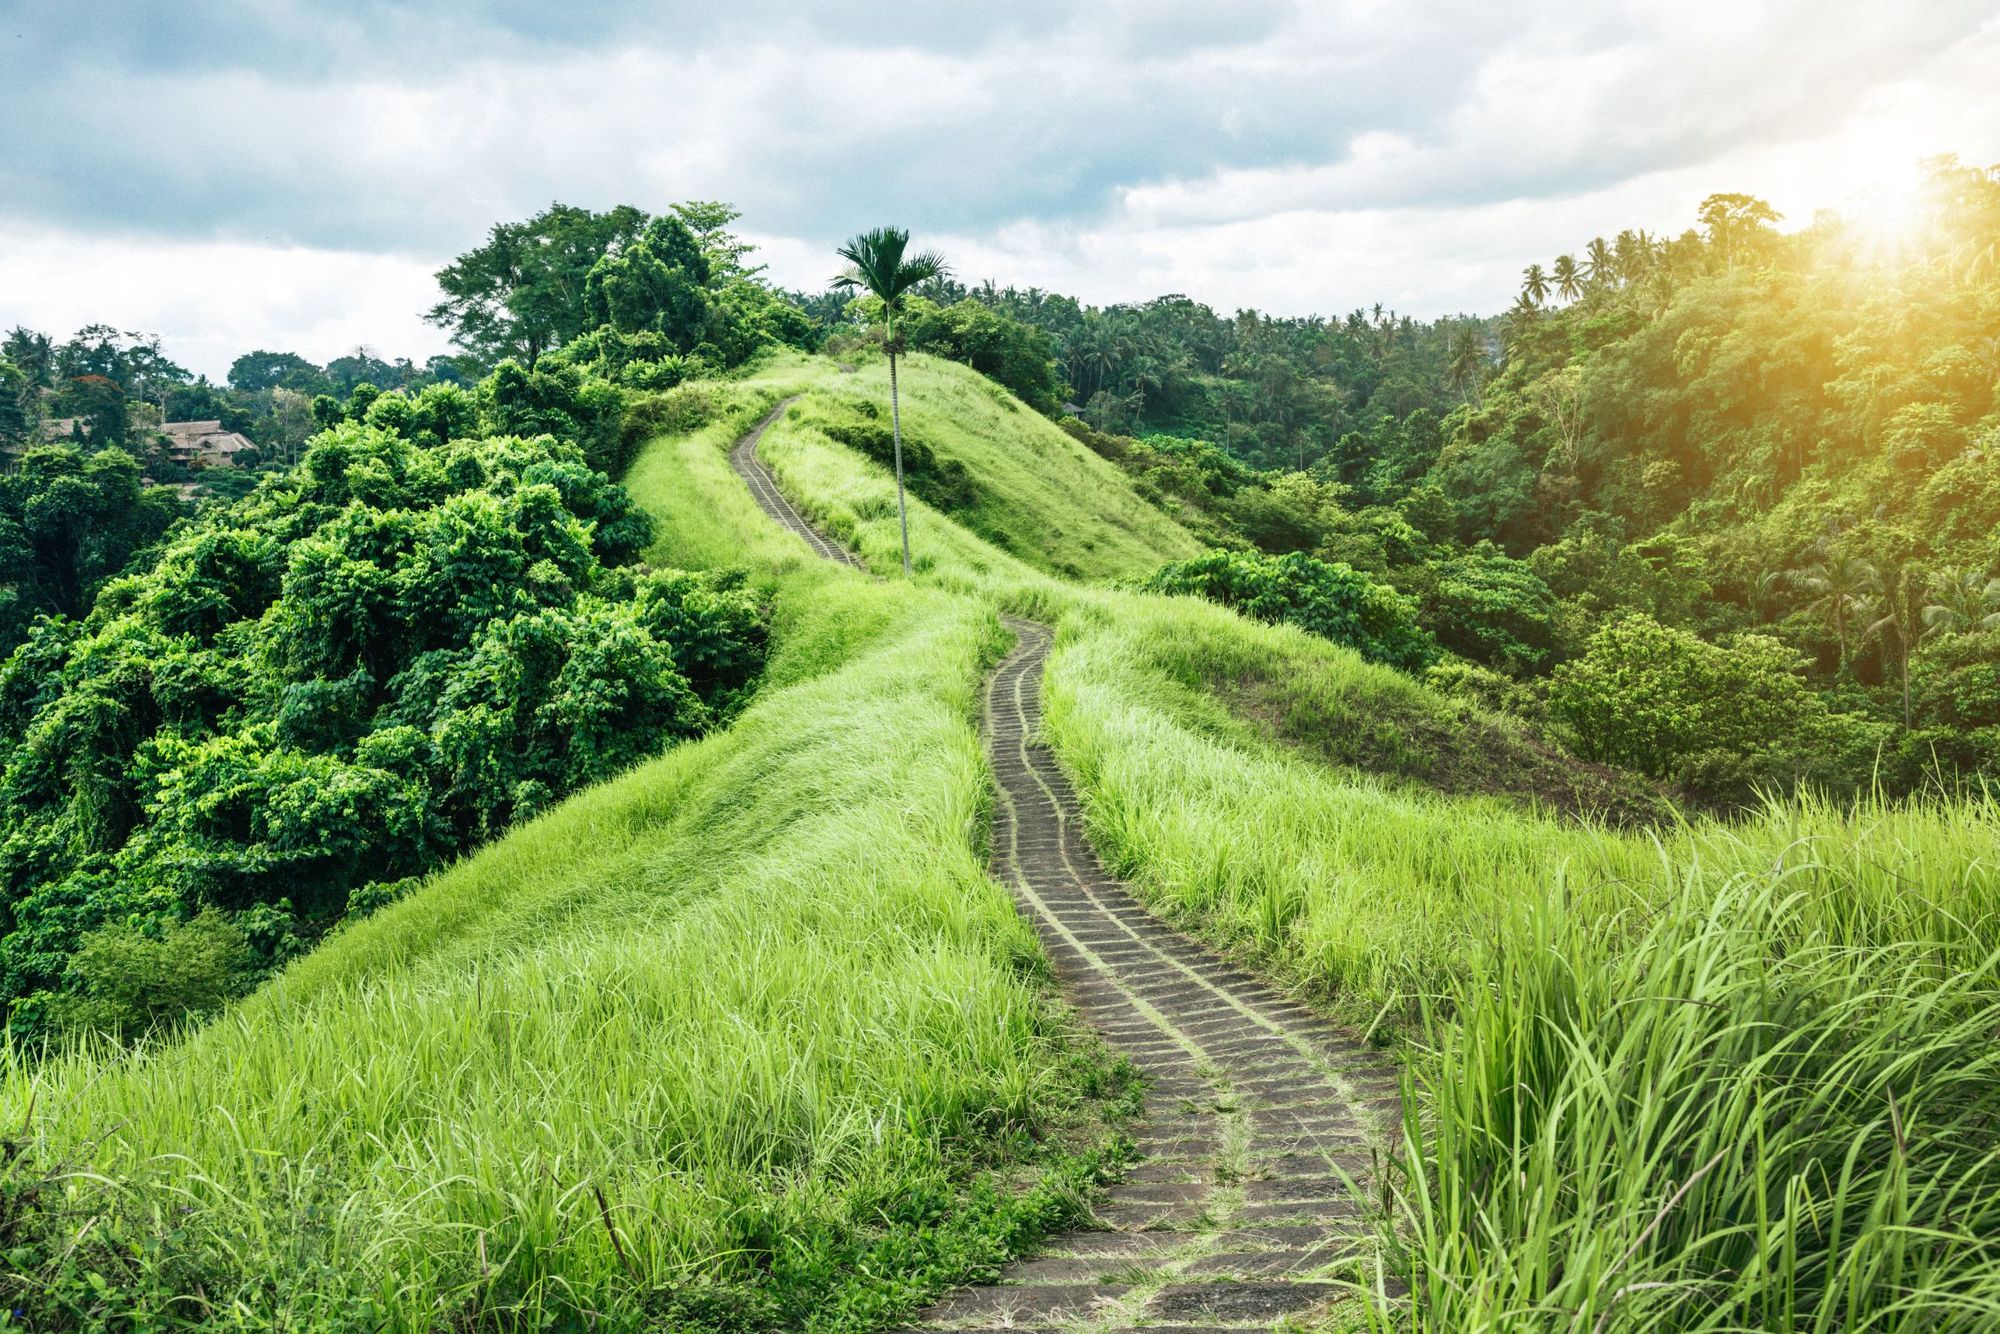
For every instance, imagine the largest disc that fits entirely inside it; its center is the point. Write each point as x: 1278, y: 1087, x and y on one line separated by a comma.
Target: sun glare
x: 1886, y: 210
x: 1885, y: 216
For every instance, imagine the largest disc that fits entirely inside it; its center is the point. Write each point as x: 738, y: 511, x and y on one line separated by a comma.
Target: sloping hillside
x: 720, y: 1044
x: 726, y: 1043
x: 1001, y: 471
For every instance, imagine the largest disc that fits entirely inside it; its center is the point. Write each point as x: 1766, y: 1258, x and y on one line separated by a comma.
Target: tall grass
x: 1703, y: 1077
x: 724, y: 1043
x: 1714, y: 1077
x: 1731, y: 1119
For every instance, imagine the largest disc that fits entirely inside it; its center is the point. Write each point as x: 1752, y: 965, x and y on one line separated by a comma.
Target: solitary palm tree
x: 1534, y: 284
x: 1843, y: 589
x: 878, y: 264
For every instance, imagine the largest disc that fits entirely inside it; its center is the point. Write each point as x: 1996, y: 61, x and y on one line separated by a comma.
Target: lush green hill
x: 760, y: 993
x: 1027, y: 487
x: 1717, y: 1013
x: 724, y: 1040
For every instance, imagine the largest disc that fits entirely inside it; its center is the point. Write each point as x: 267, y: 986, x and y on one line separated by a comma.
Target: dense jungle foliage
x: 1693, y: 475
x: 430, y: 627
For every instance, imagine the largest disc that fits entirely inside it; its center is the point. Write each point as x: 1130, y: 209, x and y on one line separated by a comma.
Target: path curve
x: 764, y: 490
x: 1238, y: 1214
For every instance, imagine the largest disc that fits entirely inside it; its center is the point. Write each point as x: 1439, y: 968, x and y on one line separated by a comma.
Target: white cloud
x: 212, y: 301
x: 297, y: 187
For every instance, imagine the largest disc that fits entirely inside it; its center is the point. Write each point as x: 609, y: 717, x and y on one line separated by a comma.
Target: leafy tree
x: 68, y: 522
x: 1333, y: 601
x: 1720, y: 718
x: 1842, y: 590
x: 557, y: 399
x: 880, y: 265
x: 656, y: 283
x: 993, y: 343
x: 255, y: 372
x: 1492, y: 608
x: 524, y: 291
x: 101, y: 403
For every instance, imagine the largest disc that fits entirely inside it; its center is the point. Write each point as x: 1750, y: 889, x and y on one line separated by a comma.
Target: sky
x: 238, y: 174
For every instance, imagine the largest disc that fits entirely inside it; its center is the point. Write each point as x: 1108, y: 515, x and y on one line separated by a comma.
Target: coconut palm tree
x: 1898, y: 621
x: 1468, y: 359
x: 1569, y: 282
x: 1961, y: 601
x: 1842, y: 588
x: 1599, y: 268
x: 1534, y: 285
x: 880, y: 265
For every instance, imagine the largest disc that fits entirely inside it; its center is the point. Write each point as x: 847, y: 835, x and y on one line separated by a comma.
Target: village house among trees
x: 205, y: 444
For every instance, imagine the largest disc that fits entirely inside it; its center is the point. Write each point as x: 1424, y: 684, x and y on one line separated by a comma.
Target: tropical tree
x: 1599, y: 268
x: 1468, y: 359
x: 1842, y: 589
x: 1534, y: 284
x: 523, y: 292
x: 1962, y: 601
x: 1568, y: 281
x: 1899, y: 621
x: 879, y: 264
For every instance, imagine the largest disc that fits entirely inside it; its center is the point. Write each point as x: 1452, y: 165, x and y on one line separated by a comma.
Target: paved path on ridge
x: 1253, y: 1106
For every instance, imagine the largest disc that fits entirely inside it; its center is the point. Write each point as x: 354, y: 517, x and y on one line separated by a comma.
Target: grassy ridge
x: 1719, y: 1077
x: 1714, y: 1076
x: 1041, y: 497
x: 721, y: 1042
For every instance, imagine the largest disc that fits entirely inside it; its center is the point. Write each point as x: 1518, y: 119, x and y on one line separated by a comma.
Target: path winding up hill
x: 1255, y: 1107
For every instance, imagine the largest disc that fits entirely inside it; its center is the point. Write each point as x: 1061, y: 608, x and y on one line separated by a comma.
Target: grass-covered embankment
x: 726, y: 1042
x: 1712, y: 1076
x: 1683, y: 1075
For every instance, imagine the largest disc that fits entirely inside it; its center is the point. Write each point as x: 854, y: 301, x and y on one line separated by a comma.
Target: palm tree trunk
x: 896, y: 430
x: 1905, y: 645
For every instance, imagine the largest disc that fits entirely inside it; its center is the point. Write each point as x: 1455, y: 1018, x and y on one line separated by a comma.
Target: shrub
x: 130, y: 981
x: 943, y: 484
x: 1720, y: 718
x: 1336, y: 602
x: 1495, y: 610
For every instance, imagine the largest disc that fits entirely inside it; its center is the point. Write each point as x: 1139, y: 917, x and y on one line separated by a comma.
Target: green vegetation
x: 1592, y: 1015
x: 1332, y: 601
x: 1030, y: 489
x: 735, y: 1041
x: 743, y: 1038
x: 68, y: 522
x: 380, y: 658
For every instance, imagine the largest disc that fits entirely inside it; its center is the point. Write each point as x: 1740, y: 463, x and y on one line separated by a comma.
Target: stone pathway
x: 1237, y: 1215
x: 764, y: 490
